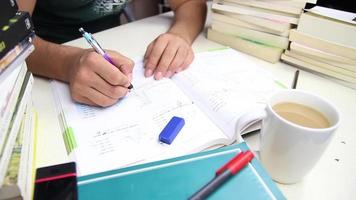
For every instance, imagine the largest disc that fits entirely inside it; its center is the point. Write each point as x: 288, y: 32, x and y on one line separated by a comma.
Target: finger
x: 189, y: 59
x: 98, y: 98
x: 112, y: 91
x: 107, y: 71
x: 148, y: 51
x: 76, y: 90
x: 165, y: 61
x: 177, y: 61
x: 152, y: 61
x: 84, y: 100
x: 124, y: 63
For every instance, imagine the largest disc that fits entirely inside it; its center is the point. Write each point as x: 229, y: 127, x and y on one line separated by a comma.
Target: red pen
x: 223, y: 174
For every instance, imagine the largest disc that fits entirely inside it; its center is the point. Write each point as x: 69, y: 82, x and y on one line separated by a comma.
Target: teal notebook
x: 179, y: 178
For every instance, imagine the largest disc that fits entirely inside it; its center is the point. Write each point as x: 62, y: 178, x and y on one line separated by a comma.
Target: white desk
x: 334, y: 177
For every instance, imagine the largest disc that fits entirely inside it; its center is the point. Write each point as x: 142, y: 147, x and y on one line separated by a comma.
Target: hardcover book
x: 179, y: 178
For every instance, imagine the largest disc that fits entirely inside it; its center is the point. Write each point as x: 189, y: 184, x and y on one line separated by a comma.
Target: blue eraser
x: 171, y: 130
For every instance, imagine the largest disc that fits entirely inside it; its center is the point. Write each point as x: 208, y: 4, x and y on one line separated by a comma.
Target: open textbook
x: 216, y: 96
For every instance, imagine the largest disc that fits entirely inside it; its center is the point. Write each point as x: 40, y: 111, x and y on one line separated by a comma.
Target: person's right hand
x: 95, y: 81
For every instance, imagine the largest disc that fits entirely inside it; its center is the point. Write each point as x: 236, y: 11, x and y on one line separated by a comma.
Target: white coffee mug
x: 289, y: 151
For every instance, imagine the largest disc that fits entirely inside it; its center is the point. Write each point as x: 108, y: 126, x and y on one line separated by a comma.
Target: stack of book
x: 17, y: 118
x: 325, y: 42
x: 256, y: 27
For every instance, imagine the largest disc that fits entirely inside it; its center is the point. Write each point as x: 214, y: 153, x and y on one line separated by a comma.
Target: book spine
x: 12, y: 172
x: 15, y: 52
x: 19, y: 60
x: 8, y: 10
x: 10, y: 109
x: 16, y: 120
x: 19, y: 27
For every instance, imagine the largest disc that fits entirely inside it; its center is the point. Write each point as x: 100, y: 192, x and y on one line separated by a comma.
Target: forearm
x: 26, y: 5
x: 189, y: 18
x: 52, y: 60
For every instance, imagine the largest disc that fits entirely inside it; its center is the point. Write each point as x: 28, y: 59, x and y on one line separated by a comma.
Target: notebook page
x: 226, y: 85
x: 127, y: 132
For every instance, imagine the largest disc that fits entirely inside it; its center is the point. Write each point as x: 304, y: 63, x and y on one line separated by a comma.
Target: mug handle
x: 247, y: 120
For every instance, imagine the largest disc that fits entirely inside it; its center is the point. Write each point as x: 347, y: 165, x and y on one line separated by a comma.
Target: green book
x: 181, y: 177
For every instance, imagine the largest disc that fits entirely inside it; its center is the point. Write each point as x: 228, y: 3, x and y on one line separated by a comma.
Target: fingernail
x: 178, y: 70
x: 130, y: 76
x: 148, y: 73
x: 168, y: 74
x: 158, y: 75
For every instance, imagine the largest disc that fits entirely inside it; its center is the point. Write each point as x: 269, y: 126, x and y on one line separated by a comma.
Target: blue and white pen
x: 93, y: 43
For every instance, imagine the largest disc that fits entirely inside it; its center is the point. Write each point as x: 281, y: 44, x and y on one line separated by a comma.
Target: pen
x: 93, y: 43
x: 223, y: 174
x: 295, y: 79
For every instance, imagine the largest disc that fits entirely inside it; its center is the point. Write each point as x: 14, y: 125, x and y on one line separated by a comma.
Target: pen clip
x: 92, y: 41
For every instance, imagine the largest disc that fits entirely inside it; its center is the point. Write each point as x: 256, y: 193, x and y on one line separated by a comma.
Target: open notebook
x: 219, y: 90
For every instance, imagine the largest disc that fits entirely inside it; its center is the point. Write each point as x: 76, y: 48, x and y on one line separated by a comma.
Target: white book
x: 214, y: 96
x: 21, y: 168
x: 244, y: 10
x: 17, y: 115
x: 334, y: 14
x: 21, y: 58
x: 6, y: 88
x: 10, y: 103
x: 27, y: 165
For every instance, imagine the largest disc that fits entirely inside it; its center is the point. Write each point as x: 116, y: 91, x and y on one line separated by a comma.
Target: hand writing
x: 94, y: 81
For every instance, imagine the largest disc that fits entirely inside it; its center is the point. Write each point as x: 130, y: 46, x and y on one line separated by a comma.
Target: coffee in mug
x: 302, y: 115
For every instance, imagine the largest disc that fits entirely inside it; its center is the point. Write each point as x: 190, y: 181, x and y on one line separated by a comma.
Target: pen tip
x: 130, y: 86
x: 81, y: 30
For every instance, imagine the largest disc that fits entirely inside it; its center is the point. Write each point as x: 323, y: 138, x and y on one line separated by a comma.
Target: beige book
x: 317, y: 69
x: 321, y: 55
x: 270, y: 54
x: 346, y: 72
x: 293, y: 3
x: 256, y: 23
x: 249, y: 34
x: 328, y: 29
x: 263, y: 13
x: 321, y: 44
x: 267, y: 5
x: 235, y: 20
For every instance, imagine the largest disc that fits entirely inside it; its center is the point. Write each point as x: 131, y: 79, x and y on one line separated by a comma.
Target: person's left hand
x: 166, y: 55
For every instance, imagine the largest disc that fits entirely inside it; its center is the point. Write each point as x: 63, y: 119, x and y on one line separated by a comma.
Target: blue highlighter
x: 171, y: 130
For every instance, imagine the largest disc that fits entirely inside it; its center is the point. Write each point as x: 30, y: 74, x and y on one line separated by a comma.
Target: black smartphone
x: 57, y: 182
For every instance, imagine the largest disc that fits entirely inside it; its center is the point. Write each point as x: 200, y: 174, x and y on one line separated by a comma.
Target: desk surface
x: 334, y: 177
